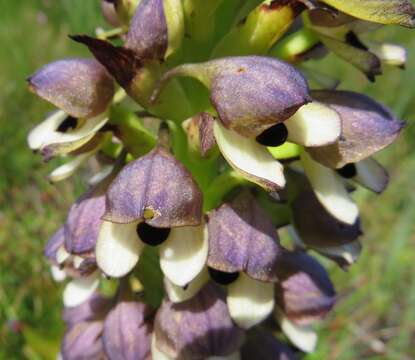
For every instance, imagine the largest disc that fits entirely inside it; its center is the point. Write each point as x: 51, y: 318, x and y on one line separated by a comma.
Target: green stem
x: 220, y: 186
x: 135, y: 137
x: 293, y: 46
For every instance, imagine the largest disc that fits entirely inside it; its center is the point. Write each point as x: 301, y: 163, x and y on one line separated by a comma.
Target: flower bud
x: 250, y: 94
x: 197, y: 328
x: 304, y: 293
x: 127, y: 332
x: 367, y: 127
x: 399, y: 12
x: 156, y: 31
x: 80, y: 87
x: 243, y: 239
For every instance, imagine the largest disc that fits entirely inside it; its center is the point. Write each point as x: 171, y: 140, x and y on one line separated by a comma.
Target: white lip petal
x: 250, y: 301
x: 46, y: 132
x: 183, y: 255
x: 178, y: 294
x: 62, y: 255
x: 371, y: 175
x: 101, y: 175
x: 249, y: 158
x: 349, y: 253
x: 390, y: 54
x: 303, y: 337
x: 157, y: 354
x: 314, y: 124
x: 80, y: 289
x: 118, y: 248
x: 66, y: 170
x: 330, y: 190
x: 57, y: 274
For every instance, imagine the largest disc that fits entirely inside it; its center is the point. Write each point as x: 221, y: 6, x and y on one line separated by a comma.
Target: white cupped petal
x: 57, y: 274
x: 80, y: 289
x: 179, y: 294
x: 46, y: 132
x: 183, y: 255
x: 118, y: 248
x: 390, y: 54
x: 303, y: 337
x: 234, y: 356
x: 101, y: 175
x: 349, y: 253
x: 157, y: 354
x: 330, y: 190
x: 62, y: 255
x: 250, y: 301
x: 371, y: 175
x: 66, y: 170
x: 314, y: 124
x: 249, y: 158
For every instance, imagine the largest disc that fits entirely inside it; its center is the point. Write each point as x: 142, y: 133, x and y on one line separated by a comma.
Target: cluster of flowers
x: 223, y: 145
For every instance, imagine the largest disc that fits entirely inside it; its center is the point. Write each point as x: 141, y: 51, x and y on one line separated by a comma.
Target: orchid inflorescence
x: 210, y: 143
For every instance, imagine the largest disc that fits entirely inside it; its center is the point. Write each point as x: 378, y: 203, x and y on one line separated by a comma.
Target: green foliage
x: 375, y: 316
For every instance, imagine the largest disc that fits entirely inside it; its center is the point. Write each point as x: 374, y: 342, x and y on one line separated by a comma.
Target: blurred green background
x: 375, y: 316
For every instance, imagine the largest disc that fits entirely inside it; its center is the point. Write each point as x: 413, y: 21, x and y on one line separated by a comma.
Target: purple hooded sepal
x: 197, y: 328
